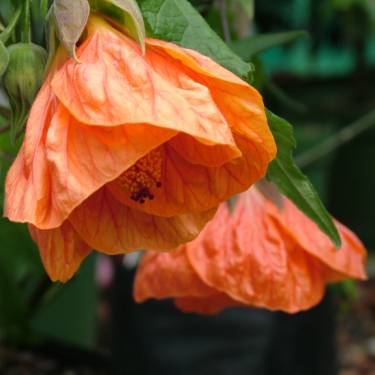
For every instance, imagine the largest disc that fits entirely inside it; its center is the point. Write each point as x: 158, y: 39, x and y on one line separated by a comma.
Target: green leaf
x: 250, y: 46
x: 71, y: 17
x: 127, y: 13
x: 177, y: 21
x: 288, y: 178
x: 4, y: 58
x: 69, y: 312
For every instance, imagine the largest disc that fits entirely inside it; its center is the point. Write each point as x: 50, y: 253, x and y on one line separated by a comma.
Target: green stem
x: 224, y: 21
x: 333, y: 142
x: 44, y: 8
x: 8, y: 31
x: 26, y: 23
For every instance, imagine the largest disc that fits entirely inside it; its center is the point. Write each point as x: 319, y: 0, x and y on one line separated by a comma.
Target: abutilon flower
x: 126, y: 151
x: 260, y: 255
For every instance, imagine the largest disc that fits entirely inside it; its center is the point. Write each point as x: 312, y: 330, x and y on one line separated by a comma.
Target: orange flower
x: 261, y: 255
x: 125, y: 151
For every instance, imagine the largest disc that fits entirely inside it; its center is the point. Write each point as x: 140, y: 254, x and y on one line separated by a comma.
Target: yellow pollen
x: 143, y: 177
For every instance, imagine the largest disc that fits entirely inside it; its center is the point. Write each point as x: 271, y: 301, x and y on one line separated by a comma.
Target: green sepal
x: 71, y: 18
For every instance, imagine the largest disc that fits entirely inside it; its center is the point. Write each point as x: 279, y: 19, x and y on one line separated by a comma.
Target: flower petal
x: 61, y: 249
x: 167, y: 275
x: 255, y: 266
x: 240, y: 103
x: 115, y: 84
x: 27, y: 189
x: 199, y: 153
x: 188, y: 187
x: 349, y: 261
x: 82, y: 158
x: 112, y: 228
x: 208, y: 305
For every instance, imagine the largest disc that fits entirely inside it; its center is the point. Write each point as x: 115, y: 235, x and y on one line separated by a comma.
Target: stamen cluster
x: 143, y: 177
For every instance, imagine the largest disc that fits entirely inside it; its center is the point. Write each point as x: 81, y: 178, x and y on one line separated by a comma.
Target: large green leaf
x: 284, y: 173
x: 251, y: 46
x: 177, y: 21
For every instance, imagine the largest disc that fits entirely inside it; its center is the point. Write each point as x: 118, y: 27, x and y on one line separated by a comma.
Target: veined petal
x: 255, y: 266
x: 349, y: 261
x: 240, y: 103
x: 208, y: 305
x: 61, y: 250
x: 27, y: 188
x: 197, y: 62
x: 115, y: 85
x: 113, y: 228
x: 82, y: 158
x: 188, y: 187
x: 206, y: 155
x: 168, y: 275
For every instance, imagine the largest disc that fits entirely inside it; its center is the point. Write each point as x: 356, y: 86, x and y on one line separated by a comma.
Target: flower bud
x: 22, y: 80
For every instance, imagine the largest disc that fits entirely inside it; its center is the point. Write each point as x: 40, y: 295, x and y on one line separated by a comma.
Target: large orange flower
x: 125, y: 151
x: 261, y: 255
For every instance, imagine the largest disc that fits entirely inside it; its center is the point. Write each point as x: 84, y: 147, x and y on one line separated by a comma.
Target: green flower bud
x: 22, y: 80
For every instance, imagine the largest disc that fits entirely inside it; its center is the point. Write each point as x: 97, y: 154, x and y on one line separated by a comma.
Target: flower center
x: 144, y: 176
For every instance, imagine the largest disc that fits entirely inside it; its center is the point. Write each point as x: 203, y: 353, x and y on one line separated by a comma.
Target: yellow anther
x: 143, y: 176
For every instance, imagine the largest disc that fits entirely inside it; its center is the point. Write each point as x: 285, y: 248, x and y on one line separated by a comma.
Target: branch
x: 224, y: 21
x: 341, y: 137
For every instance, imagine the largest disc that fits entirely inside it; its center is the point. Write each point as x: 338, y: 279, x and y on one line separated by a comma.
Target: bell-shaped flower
x: 125, y: 151
x: 263, y: 254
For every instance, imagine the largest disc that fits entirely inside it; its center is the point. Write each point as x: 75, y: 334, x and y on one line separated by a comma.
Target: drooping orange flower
x: 125, y: 151
x: 261, y: 255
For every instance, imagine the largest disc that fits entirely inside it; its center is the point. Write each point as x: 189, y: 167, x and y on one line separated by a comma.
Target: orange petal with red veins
x: 166, y: 275
x: 124, y: 87
x: 240, y: 103
x: 82, y: 158
x: 27, y: 189
x: 188, y: 187
x: 199, y: 153
x: 209, y: 305
x: 347, y: 262
x: 195, y: 61
x: 113, y: 228
x: 61, y: 249
x: 255, y: 266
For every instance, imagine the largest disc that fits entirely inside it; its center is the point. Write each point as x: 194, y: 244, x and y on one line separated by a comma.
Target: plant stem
x: 224, y: 21
x: 26, y: 22
x: 8, y: 31
x: 338, y: 139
